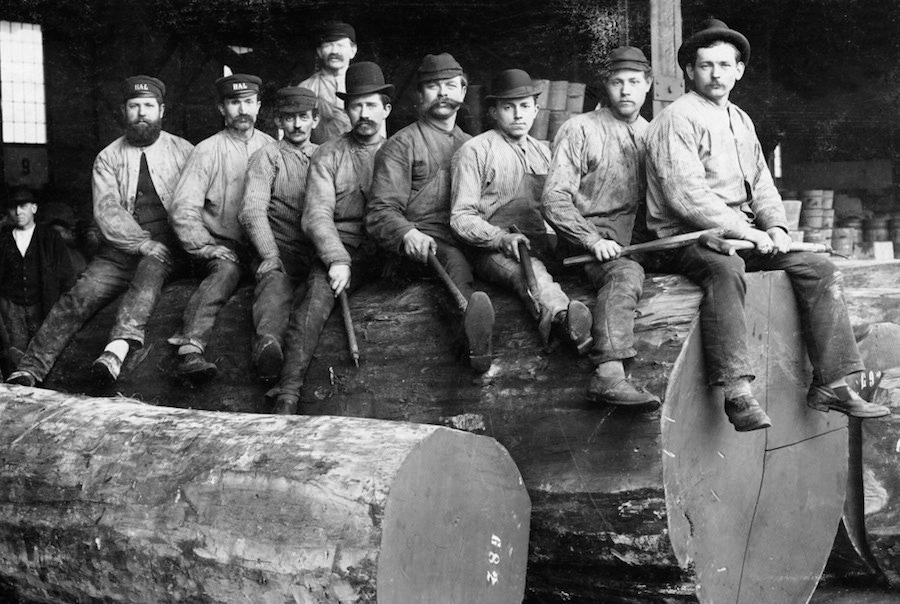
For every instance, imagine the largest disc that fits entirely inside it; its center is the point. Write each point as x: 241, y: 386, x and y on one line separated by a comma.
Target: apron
x: 436, y: 189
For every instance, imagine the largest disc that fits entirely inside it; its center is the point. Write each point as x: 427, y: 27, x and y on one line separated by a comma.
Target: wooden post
x: 118, y: 501
x: 665, y: 39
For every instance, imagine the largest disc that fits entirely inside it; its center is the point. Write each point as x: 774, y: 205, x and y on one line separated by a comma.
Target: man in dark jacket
x: 35, y: 270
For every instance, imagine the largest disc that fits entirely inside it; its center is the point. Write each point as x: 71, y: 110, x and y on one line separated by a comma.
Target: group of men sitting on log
x: 310, y: 212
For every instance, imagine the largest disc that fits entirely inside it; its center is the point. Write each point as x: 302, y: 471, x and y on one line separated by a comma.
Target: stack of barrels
x: 817, y: 215
x: 559, y: 100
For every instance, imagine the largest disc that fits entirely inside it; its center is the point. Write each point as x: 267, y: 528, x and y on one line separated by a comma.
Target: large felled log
x: 666, y: 503
x: 122, y: 502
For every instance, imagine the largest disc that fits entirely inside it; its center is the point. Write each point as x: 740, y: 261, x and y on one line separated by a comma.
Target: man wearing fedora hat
x: 706, y: 169
x: 134, y: 179
x: 340, y: 175
x: 497, y: 178
x: 205, y: 215
x: 270, y: 214
x: 337, y: 47
x: 595, y: 187
x: 409, y: 208
x: 34, y: 270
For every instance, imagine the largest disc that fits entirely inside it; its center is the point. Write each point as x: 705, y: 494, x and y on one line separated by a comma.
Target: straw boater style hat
x: 512, y: 84
x: 713, y: 30
x: 365, y: 77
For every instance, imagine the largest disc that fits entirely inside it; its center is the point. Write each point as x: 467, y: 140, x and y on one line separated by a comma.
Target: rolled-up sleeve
x: 563, y: 185
x: 116, y: 223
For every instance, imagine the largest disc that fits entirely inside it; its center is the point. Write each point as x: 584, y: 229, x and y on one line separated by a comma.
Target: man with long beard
x: 409, y: 208
x: 133, y: 183
x: 337, y: 47
x: 205, y: 215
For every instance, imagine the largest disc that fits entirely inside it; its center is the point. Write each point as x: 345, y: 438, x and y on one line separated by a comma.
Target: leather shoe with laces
x: 619, y: 391
x: 843, y: 399
x: 745, y: 413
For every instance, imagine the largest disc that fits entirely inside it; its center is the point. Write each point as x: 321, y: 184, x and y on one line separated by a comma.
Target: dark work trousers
x: 109, y: 274
x: 619, y: 284
x: 222, y: 277
x: 310, y: 312
x: 817, y: 287
x: 21, y: 322
x: 276, y: 291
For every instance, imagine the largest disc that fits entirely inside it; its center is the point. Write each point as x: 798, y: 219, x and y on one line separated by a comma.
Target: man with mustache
x: 340, y: 175
x: 205, y: 215
x: 409, y: 208
x: 595, y: 187
x: 270, y: 214
x: 497, y: 178
x: 134, y: 179
x: 337, y: 47
x: 706, y: 169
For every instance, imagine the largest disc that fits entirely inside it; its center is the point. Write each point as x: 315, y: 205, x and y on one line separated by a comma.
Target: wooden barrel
x: 544, y: 85
x: 112, y: 500
x: 575, y: 97
x: 540, y: 125
x: 557, y: 95
x: 555, y: 121
x: 622, y: 502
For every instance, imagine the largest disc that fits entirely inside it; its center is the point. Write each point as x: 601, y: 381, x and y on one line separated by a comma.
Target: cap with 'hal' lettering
x: 143, y: 86
x: 238, y: 84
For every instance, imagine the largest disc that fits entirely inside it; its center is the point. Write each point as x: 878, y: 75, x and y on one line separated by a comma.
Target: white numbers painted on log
x: 494, y: 558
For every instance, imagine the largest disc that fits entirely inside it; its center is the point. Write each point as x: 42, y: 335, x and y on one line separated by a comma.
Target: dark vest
x: 149, y: 211
x: 22, y: 277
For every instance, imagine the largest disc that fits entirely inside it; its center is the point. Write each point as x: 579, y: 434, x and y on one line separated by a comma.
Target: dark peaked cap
x: 438, y: 67
x: 627, y: 57
x: 713, y: 30
x: 143, y: 86
x: 365, y: 77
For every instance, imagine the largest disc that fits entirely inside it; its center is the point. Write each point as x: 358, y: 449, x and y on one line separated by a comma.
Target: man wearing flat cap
x: 594, y: 189
x: 205, y: 215
x: 497, y: 179
x: 270, y: 214
x: 409, y: 209
x: 134, y: 180
x: 337, y: 47
x: 340, y: 175
x: 706, y: 169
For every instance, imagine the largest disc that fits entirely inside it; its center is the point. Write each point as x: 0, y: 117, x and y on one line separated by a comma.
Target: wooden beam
x: 665, y: 38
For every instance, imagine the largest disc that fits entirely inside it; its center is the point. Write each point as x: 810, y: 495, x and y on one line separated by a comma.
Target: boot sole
x: 858, y: 414
x: 269, y: 362
x: 579, y: 322
x: 479, y: 326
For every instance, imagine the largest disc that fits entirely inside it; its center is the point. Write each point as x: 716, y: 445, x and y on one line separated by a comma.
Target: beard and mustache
x: 141, y: 133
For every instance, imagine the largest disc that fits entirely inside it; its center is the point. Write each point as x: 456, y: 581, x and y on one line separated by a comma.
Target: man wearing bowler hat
x: 340, y: 175
x: 337, y: 47
x: 706, y: 169
x: 270, y: 214
x: 409, y: 208
x: 595, y: 187
x: 205, y: 215
x: 497, y: 179
x: 134, y: 180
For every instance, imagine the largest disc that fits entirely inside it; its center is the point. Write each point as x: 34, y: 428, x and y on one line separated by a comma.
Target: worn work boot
x: 106, y: 368
x: 268, y: 358
x: 745, y: 414
x: 579, y: 321
x: 619, y: 391
x: 195, y: 367
x: 21, y: 378
x: 286, y: 404
x: 479, y: 326
x: 842, y: 399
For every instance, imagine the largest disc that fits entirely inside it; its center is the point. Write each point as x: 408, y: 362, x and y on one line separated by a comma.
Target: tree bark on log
x: 124, y: 502
x: 622, y: 503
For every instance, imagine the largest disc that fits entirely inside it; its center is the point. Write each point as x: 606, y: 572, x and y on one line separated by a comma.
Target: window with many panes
x: 22, y: 83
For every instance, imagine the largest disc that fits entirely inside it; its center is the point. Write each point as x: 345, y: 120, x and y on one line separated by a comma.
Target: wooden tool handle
x: 442, y: 273
x: 348, y: 325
